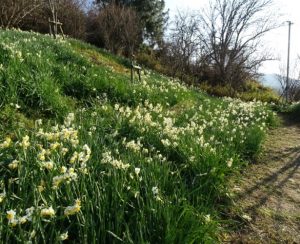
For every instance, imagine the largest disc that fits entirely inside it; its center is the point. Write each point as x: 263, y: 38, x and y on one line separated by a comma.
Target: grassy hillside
x: 84, y: 151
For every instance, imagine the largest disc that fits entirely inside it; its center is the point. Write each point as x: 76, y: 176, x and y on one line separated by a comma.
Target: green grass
x: 161, y: 153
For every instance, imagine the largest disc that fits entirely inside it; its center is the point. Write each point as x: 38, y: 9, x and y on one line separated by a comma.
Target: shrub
x: 294, y: 112
x: 216, y: 90
x: 150, y: 61
x: 251, y: 91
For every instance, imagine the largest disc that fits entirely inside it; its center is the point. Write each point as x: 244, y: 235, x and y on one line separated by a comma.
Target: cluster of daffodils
x: 13, y: 50
x: 17, y: 50
x: 25, y: 142
x: 67, y: 176
x: 71, y: 210
x: 57, y: 157
x: 164, y: 86
x: 107, y: 158
x: 209, y: 127
x: 6, y: 143
x: 47, y: 212
x: 13, y: 219
x: 135, y: 146
x: 156, y: 193
x: 43, y: 212
x: 64, y: 134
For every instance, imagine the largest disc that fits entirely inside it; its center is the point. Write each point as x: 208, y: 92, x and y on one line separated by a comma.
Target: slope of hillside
x: 88, y: 156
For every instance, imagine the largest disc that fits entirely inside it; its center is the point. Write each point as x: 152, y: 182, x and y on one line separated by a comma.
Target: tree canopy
x: 152, y: 15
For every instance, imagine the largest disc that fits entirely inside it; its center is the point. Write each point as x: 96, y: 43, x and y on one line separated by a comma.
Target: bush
x: 294, y: 112
x: 217, y: 90
x: 252, y: 90
x: 150, y: 61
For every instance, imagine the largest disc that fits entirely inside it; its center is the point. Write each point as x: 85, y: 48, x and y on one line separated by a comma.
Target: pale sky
x: 275, y: 41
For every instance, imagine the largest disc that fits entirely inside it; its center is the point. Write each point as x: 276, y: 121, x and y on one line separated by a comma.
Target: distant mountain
x: 270, y: 80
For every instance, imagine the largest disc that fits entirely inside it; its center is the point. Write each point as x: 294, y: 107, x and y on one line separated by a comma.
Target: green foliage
x: 251, y: 91
x: 293, y: 111
x: 143, y: 162
x: 152, y: 14
x: 150, y: 61
x: 153, y: 18
x: 12, y: 120
x: 216, y: 90
x: 253, y: 145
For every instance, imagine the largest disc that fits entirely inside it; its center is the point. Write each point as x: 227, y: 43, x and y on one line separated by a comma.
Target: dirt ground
x: 267, y: 197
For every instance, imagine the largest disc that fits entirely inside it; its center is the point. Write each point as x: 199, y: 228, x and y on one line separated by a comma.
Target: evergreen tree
x: 151, y: 13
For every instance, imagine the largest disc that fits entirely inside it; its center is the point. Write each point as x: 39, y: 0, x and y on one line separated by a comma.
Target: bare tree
x: 293, y: 92
x: 117, y: 27
x: 231, y: 34
x: 70, y: 14
x: 35, y: 14
x: 13, y: 12
x: 184, y: 45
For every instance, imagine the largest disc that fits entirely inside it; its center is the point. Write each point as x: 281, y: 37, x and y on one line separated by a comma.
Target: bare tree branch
x: 232, y: 33
x: 13, y: 12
